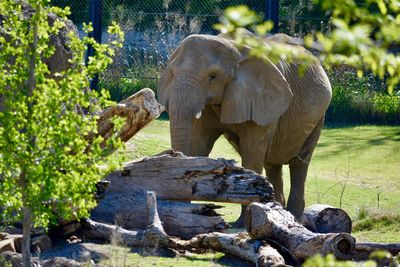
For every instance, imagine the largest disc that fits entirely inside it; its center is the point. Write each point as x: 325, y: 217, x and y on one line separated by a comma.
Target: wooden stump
x: 138, y: 110
x: 326, y: 219
x: 272, y: 221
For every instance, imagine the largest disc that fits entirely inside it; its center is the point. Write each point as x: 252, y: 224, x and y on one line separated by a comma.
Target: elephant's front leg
x: 298, y: 172
x: 253, y: 146
x: 205, y: 131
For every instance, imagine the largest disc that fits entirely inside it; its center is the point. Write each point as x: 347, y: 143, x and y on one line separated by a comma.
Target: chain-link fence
x: 153, y: 28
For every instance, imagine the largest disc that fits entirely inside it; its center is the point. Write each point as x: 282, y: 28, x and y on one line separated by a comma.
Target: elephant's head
x: 208, y: 69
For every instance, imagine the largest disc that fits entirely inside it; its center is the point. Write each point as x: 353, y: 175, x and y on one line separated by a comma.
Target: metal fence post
x: 95, y: 17
x: 272, y: 13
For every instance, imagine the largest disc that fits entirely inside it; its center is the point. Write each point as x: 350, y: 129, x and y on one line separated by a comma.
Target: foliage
x: 48, y: 166
x: 354, y: 100
x: 300, y: 17
x: 373, y: 219
x: 126, y: 86
x: 362, y: 37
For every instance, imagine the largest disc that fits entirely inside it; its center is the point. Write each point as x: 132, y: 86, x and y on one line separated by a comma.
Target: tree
x: 48, y: 165
x: 364, y: 33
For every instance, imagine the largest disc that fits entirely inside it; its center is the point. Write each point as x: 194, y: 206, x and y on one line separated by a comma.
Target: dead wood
x: 239, y: 245
x: 128, y: 210
x: 177, y: 177
x: 138, y: 110
x: 393, y: 248
x: 272, y: 221
x: 326, y: 219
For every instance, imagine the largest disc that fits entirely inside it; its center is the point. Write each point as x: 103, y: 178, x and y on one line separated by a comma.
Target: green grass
x: 351, y: 166
x: 123, y: 256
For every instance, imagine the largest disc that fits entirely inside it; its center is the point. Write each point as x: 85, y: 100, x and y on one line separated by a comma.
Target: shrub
x: 360, y: 100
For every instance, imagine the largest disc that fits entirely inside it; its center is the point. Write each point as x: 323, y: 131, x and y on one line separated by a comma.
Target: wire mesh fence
x: 153, y: 29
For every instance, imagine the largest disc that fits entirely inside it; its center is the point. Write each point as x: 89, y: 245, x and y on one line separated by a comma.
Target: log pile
x: 178, y: 179
x: 272, y: 238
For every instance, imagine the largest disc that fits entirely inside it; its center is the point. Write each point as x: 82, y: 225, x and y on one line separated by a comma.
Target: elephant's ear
x: 258, y: 92
x: 163, y: 90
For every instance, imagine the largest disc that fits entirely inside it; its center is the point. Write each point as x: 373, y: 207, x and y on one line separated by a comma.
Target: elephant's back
x: 311, y: 97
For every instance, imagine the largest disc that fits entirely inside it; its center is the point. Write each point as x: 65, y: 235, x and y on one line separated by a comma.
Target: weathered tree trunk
x: 272, y: 221
x: 326, y: 219
x: 182, y: 219
x: 177, y: 177
x: 239, y: 245
x: 138, y: 109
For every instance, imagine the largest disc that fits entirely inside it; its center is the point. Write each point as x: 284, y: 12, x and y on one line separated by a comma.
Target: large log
x: 139, y: 109
x: 239, y: 245
x: 177, y: 177
x: 326, y: 219
x: 128, y: 210
x: 272, y: 221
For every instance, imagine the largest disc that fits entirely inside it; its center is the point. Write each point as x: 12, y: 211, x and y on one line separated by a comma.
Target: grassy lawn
x: 355, y: 167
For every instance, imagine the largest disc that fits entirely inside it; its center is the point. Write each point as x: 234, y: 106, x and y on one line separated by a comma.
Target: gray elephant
x: 270, y: 113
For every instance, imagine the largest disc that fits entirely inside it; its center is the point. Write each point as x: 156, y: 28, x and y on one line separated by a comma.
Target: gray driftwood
x: 177, y: 177
x: 272, y: 221
x: 128, y: 210
x: 239, y: 245
x: 326, y: 219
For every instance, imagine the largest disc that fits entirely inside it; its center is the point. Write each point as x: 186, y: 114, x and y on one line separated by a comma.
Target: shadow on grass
x: 355, y: 138
x: 217, y: 258
x: 77, y: 252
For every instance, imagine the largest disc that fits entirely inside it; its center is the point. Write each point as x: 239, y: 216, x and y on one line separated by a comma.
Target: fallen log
x: 177, y: 177
x: 182, y: 219
x: 393, y: 248
x: 239, y: 245
x: 272, y: 221
x: 139, y: 109
x: 326, y: 219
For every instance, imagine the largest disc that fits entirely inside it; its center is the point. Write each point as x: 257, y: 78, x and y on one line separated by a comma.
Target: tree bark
x: 239, y: 245
x: 177, y: 177
x: 272, y: 221
x: 326, y: 219
x: 138, y: 110
x: 26, y: 236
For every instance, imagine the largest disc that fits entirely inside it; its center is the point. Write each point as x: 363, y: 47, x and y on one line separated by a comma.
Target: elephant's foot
x: 295, y: 210
x: 240, y: 221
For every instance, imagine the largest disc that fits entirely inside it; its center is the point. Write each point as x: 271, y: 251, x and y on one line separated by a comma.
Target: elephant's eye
x: 212, y: 76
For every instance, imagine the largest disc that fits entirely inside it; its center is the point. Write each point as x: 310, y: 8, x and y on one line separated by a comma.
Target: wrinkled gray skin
x: 268, y: 112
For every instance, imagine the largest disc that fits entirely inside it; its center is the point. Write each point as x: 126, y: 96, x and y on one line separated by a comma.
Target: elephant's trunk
x: 183, y: 105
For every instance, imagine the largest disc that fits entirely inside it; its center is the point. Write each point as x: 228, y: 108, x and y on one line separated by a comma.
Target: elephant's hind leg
x: 298, y: 172
x: 274, y: 175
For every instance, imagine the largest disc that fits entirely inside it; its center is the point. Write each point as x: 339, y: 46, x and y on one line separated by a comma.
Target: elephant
x: 269, y: 112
